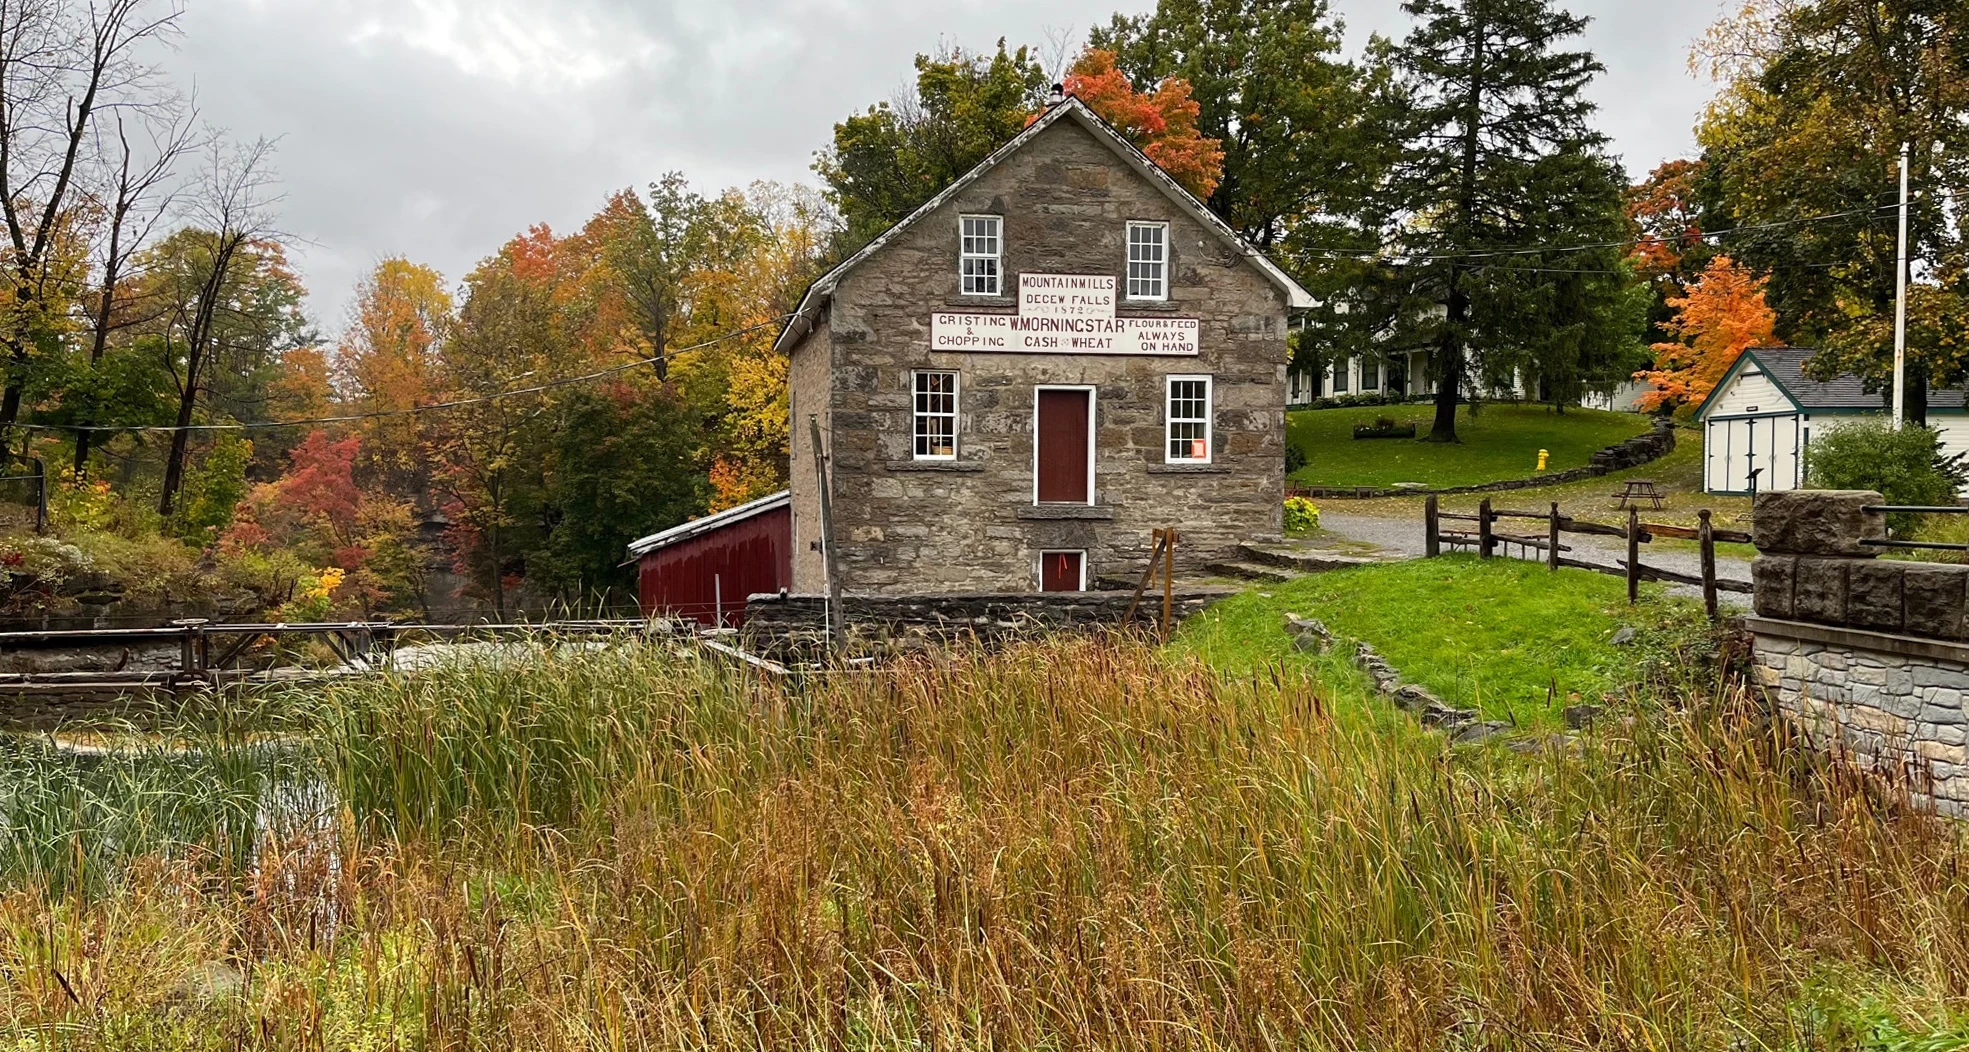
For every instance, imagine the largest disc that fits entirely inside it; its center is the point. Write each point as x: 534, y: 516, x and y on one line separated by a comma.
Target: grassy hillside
x: 1073, y: 844
x: 1498, y: 442
x: 1506, y: 636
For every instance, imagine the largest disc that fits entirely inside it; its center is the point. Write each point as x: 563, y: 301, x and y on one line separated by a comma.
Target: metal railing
x: 40, y: 480
x: 1917, y: 509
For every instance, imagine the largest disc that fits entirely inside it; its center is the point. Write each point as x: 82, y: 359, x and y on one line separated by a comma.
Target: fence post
x: 40, y: 495
x: 1552, y: 538
x: 192, y: 654
x: 1707, y: 535
x: 1484, y: 541
x: 1168, y: 582
x: 1432, y: 530
x: 1633, y: 555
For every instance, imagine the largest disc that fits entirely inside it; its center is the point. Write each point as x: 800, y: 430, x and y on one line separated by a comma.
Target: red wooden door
x: 1063, y: 461
x: 1059, y: 571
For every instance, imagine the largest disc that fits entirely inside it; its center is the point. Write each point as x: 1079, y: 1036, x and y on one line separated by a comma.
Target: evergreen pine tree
x: 1499, y: 156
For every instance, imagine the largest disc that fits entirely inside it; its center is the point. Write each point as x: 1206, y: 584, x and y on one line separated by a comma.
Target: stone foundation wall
x: 1903, y: 715
x: 907, y: 620
x: 1863, y: 654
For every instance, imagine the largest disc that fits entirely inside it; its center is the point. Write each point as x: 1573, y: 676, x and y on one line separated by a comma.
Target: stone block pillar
x: 1855, y: 648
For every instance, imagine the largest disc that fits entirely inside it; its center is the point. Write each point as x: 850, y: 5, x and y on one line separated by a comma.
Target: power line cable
x: 1629, y: 242
x: 455, y: 403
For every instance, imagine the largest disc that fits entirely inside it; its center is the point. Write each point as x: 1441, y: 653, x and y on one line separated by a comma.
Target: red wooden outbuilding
x: 705, y: 568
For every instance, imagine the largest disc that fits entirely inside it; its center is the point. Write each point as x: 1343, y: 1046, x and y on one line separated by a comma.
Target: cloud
x: 516, y: 43
x: 437, y: 129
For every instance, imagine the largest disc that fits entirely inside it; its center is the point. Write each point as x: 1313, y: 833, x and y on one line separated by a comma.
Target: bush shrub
x: 1301, y: 515
x: 1906, y: 466
x: 1295, y: 458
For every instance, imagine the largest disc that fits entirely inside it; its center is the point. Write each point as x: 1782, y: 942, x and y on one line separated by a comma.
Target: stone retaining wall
x: 1861, y: 653
x: 1633, y: 453
x: 906, y: 620
x: 1901, y: 714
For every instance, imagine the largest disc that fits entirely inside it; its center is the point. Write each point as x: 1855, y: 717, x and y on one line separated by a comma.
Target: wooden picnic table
x: 1638, y: 490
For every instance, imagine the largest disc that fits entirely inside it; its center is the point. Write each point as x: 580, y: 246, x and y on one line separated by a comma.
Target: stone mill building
x: 1014, y: 386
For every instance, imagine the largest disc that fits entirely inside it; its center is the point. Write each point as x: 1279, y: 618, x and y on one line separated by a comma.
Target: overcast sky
x: 437, y: 129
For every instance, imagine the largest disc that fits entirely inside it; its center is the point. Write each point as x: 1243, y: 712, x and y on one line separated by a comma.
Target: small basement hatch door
x: 1063, y: 571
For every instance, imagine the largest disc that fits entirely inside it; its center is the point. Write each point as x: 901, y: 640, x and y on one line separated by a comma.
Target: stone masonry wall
x: 807, y: 393
x: 914, y: 527
x: 1860, y: 651
x: 908, y: 619
x: 1904, y: 718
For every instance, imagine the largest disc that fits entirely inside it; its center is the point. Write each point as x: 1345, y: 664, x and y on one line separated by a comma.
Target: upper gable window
x: 1148, y: 261
x: 980, y: 251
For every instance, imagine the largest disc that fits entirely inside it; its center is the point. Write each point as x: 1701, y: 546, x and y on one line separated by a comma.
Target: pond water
x: 76, y: 808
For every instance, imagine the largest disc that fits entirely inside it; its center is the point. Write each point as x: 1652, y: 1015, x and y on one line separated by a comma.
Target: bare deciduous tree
x: 232, y: 208
x: 66, y: 67
x: 142, y: 197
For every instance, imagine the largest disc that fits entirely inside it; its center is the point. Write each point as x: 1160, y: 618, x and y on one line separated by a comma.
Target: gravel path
x: 1405, y: 535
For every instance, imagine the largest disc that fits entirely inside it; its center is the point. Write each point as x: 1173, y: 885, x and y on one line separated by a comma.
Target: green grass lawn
x: 1499, y: 442
x: 1679, y: 474
x: 1509, y: 637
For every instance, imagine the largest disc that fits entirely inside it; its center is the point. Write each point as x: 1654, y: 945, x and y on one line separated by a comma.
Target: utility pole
x: 1900, y: 306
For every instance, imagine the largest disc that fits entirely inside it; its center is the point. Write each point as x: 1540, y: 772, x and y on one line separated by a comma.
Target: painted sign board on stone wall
x: 1063, y: 314
x: 1066, y: 296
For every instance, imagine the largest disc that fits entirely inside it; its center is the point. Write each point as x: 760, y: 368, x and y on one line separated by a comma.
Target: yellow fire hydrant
x: 1543, y: 456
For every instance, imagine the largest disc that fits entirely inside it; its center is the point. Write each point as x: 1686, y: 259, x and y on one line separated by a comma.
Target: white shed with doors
x: 1759, y: 422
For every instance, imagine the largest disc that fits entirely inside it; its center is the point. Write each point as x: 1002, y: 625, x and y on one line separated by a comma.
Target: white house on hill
x: 1407, y: 375
x: 1759, y: 422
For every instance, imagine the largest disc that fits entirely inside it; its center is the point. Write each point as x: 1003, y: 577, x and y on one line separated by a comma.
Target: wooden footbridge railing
x: 211, y: 654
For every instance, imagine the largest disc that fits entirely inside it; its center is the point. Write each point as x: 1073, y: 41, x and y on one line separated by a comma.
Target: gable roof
x: 646, y: 545
x: 1845, y: 393
x: 1297, y: 298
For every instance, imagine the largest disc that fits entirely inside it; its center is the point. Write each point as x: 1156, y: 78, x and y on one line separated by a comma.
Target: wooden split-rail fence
x: 1488, y: 541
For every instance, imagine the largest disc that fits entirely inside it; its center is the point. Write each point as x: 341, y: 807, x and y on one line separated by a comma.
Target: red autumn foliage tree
x: 318, y: 512
x: 1162, y: 123
x: 1664, y: 208
x: 1722, y: 314
x: 320, y: 483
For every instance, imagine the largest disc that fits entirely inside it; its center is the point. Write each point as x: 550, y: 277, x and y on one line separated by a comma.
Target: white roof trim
x: 640, y: 548
x: 1297, y: 298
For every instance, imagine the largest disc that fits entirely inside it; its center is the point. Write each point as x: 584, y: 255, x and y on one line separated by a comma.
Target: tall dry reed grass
x: 1073, y: 844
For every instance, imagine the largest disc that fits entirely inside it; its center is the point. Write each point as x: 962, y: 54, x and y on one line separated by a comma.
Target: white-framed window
x: 1188, y: 420
x: 980, y: 252
x: 935, y: 414
x: 1148, y: 261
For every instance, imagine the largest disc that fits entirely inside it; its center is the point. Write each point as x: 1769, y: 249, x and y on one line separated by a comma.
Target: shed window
x: 1148, y: 261
x: 936, y: 415
x: 1189, y: 420
x: 980, y: 250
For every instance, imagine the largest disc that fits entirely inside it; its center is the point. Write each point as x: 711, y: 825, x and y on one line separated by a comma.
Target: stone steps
x: 1251, y: 571
x: 1300, y: 560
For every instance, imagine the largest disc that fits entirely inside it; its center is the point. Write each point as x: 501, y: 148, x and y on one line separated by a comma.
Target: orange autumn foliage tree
x: 1162, y: 123
x: 1721, y: 316
x: 388, y: 362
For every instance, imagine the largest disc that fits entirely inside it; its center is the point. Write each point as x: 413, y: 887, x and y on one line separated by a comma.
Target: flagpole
x: 1900, y: 307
